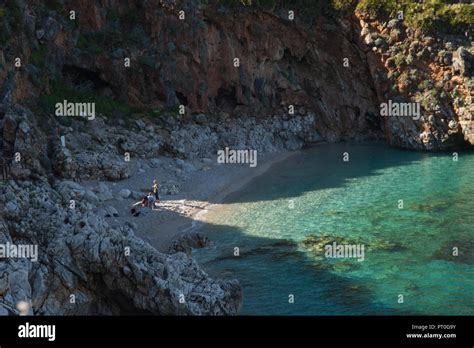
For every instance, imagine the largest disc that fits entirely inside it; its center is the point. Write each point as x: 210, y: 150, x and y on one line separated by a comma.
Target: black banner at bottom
x: 137, y: 330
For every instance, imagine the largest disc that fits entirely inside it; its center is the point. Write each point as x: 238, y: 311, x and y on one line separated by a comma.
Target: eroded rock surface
x: 296, y: 83
x: 105, y: 270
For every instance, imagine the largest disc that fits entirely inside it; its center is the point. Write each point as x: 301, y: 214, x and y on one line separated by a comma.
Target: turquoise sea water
x: 316, y: 193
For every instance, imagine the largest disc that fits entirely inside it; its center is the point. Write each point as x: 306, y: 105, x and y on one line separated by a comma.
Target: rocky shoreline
x: 91, y: 259
x: 68, y: 182
x: 86, y: 266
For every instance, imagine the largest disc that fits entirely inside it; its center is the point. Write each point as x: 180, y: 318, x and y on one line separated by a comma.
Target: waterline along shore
x: 204, y: 183
x: 378, y: 229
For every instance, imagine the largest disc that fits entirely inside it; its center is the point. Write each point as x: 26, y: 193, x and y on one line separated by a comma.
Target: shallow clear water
x: 316, y: 193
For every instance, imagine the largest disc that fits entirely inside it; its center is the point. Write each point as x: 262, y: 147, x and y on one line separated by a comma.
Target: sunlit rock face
x: 246, y: 78
x: 433, y: 73
x: 214, y: 59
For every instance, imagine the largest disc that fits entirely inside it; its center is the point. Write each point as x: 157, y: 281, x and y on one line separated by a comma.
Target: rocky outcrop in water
x: 316, y: 243
x: 189, y: 241
x: 456, y: 251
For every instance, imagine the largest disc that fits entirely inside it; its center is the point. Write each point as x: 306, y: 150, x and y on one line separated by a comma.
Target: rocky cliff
x: 86, y: 267
x: 409, y: 66
x: 247, y: 77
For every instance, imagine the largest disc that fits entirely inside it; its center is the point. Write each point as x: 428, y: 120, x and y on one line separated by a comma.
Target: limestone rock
x: 155, y: 163
x: 170, y: 188
x: 110, y: 212
x: 104, y: 193
x: 91, y: 262
x: 463, y: 62
x: 51, y: 29
x: 125, y: 193
x: 189, y: 241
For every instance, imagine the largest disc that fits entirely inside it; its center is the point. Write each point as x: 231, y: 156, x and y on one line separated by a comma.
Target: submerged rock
x: 456, y: 251
x: 185, y: 243
x: 278, y: 249
x: 316, y: 243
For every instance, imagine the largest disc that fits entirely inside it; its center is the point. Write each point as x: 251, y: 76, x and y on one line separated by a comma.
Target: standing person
x: 155, y: 190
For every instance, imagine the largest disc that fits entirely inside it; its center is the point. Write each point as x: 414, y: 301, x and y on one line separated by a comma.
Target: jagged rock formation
x: 107, y: 271
x: 191, y: 62
x: 281, y: 63
x: 188, y: 62
x: 186, y: 242
x: 435, y: 72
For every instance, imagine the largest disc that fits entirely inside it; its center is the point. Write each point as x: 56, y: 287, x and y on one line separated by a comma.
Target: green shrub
x: 425, y: 85
x: 54, y: 5
x: 457, y: 16
x: 344, y: 5
x: 399, y: 59
x: 394, y: 74
x: 11, y: 19
x: 256, y: 3
x: 439, y: 15
x: 38, y: 57
x: 148, y: 60
x: 112, y: 15
x: 415, y: 75
x: 379, y: 8
x: 4, y: 33
x: 129, y: 19
x: 428, y: 15
x: 89, y: 44
x: 405, y: 78
x: 14, y: 14
x: 96, y: 42
x: 307, y: 8
x: 137, y: 36
x: 103, y: 104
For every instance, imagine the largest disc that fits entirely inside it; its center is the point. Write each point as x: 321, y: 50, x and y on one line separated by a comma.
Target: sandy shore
x: 207, y: 183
